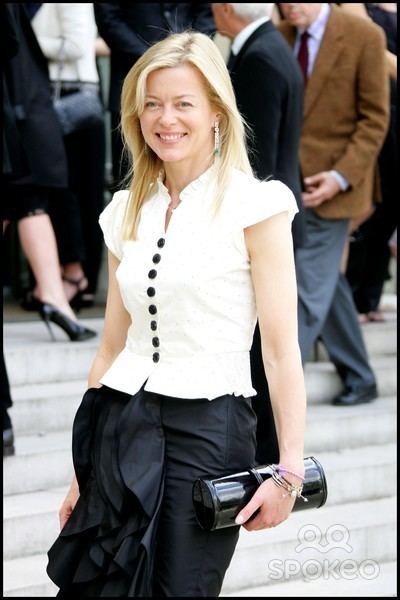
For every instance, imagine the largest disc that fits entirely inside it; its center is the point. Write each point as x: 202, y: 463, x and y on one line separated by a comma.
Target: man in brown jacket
x: 345, y: 121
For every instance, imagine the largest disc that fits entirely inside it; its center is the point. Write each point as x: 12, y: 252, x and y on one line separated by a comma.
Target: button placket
x: 151, y: 293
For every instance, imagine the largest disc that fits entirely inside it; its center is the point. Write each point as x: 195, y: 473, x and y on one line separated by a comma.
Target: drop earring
x: 217, y: 148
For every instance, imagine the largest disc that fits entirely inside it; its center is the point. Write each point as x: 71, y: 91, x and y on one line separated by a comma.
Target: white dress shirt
x: 195, y: 279
x: 316, y: 32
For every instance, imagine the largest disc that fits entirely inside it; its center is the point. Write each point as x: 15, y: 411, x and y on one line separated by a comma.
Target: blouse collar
x: 192, y: 188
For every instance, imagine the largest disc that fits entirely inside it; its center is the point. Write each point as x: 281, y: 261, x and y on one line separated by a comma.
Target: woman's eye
x: 184, y: 104
x: 150, y: 104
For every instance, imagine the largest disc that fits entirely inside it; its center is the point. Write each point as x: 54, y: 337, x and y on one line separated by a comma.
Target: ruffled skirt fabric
x: 106, y: 547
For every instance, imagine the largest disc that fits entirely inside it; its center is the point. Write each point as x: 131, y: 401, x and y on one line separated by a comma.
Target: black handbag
x: 80, y: 109
x: 217, y: 502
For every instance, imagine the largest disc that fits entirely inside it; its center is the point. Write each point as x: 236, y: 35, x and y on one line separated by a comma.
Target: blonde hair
x: 200, y: 51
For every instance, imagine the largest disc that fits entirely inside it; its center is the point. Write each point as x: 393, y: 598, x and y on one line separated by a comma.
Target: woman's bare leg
x: 38, y: 241
x: 73, y: 272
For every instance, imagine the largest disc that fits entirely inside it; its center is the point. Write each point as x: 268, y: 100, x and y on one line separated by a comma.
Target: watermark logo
x: 336, y: 537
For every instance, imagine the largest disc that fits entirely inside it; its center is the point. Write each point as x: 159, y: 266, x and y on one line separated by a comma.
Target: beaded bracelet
x: 282, y: 478
x: 293, y: 490
x: 283, y: 483
x: 281, y: 469
x: 295, y: 493
x: 279, y: 481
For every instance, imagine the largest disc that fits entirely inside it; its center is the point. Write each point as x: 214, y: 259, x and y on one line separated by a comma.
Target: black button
x: 156, y: 357
x: 156, y: 258
x: 152, y: 309
x: 156, y: 342
x: 153, y: 325
x: 152, y: 274
x: 151, y: 292
x: 161, y: 243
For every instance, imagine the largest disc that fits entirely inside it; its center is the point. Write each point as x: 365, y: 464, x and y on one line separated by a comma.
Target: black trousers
x: 369, y: 254
x: 133, y: 531
x: 200, y: 439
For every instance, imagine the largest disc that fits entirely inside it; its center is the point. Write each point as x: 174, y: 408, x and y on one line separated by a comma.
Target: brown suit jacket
x: 346, y: 109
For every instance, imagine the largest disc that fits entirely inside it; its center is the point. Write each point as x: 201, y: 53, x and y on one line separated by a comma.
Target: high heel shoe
x: 75, y: 331
x: 80, y: 299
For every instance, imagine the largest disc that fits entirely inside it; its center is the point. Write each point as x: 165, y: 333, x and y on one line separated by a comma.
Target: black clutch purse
x: 217, y: 502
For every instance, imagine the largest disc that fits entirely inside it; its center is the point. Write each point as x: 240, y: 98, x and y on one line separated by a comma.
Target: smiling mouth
x: 171, y: 137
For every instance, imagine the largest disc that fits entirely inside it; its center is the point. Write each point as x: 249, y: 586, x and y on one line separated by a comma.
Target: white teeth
x: 169, y: 138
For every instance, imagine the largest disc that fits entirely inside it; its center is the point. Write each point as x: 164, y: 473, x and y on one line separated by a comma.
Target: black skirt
x: 128, y: 507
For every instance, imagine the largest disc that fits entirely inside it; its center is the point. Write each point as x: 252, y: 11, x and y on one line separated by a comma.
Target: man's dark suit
x: 268, y: 86
x: 129, y: 28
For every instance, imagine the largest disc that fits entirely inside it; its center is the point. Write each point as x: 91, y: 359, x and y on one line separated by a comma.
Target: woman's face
x: 178, y: 119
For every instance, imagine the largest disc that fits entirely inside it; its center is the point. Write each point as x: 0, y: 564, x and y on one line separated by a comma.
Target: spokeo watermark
x: 335, y: 537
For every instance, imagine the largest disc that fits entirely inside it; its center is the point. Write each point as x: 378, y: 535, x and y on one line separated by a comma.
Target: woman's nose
x: 167, y: 116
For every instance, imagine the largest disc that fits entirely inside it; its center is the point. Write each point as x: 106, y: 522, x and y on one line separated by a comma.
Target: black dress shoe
x: 8, y: 442
x: 352, y: 396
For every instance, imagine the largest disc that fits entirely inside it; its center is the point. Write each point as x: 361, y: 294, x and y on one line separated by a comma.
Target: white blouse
x: 189, y: 290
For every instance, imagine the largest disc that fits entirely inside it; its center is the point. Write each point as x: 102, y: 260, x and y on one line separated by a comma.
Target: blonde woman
x: 197, y: 249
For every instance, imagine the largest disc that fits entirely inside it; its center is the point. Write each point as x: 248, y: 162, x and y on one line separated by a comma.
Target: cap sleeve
x: 267, y: 199
x: 110, y: 221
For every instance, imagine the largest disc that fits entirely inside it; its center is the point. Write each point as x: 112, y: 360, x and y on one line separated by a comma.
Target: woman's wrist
x: 296, y: 480
x: 292, y: 467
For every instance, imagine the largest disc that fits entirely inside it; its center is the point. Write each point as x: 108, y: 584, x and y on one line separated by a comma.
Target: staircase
x: 355, y: 554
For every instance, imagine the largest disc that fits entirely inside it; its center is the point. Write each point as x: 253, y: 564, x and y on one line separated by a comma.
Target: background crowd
x: 316, y: 84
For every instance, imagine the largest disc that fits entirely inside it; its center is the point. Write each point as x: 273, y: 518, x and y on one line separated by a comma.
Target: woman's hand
x: 274, y: 508
x: 69, y: 504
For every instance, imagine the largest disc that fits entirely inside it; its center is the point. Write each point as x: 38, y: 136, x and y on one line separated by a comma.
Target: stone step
x: 44, y: 407
x: 323, y: 382
x: 44, y: 467
x: 363, y: 533
x: 388, y: 301
x: 383, y: 585
x: 356, y: 473
x: 32, y: 358
x: 333, y: 428
x: 40, y: 407
x: 358, y: 536
x: 380, y: 338
x: 27, y: 578
x: 352, y: 475
x: 43, y: 459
